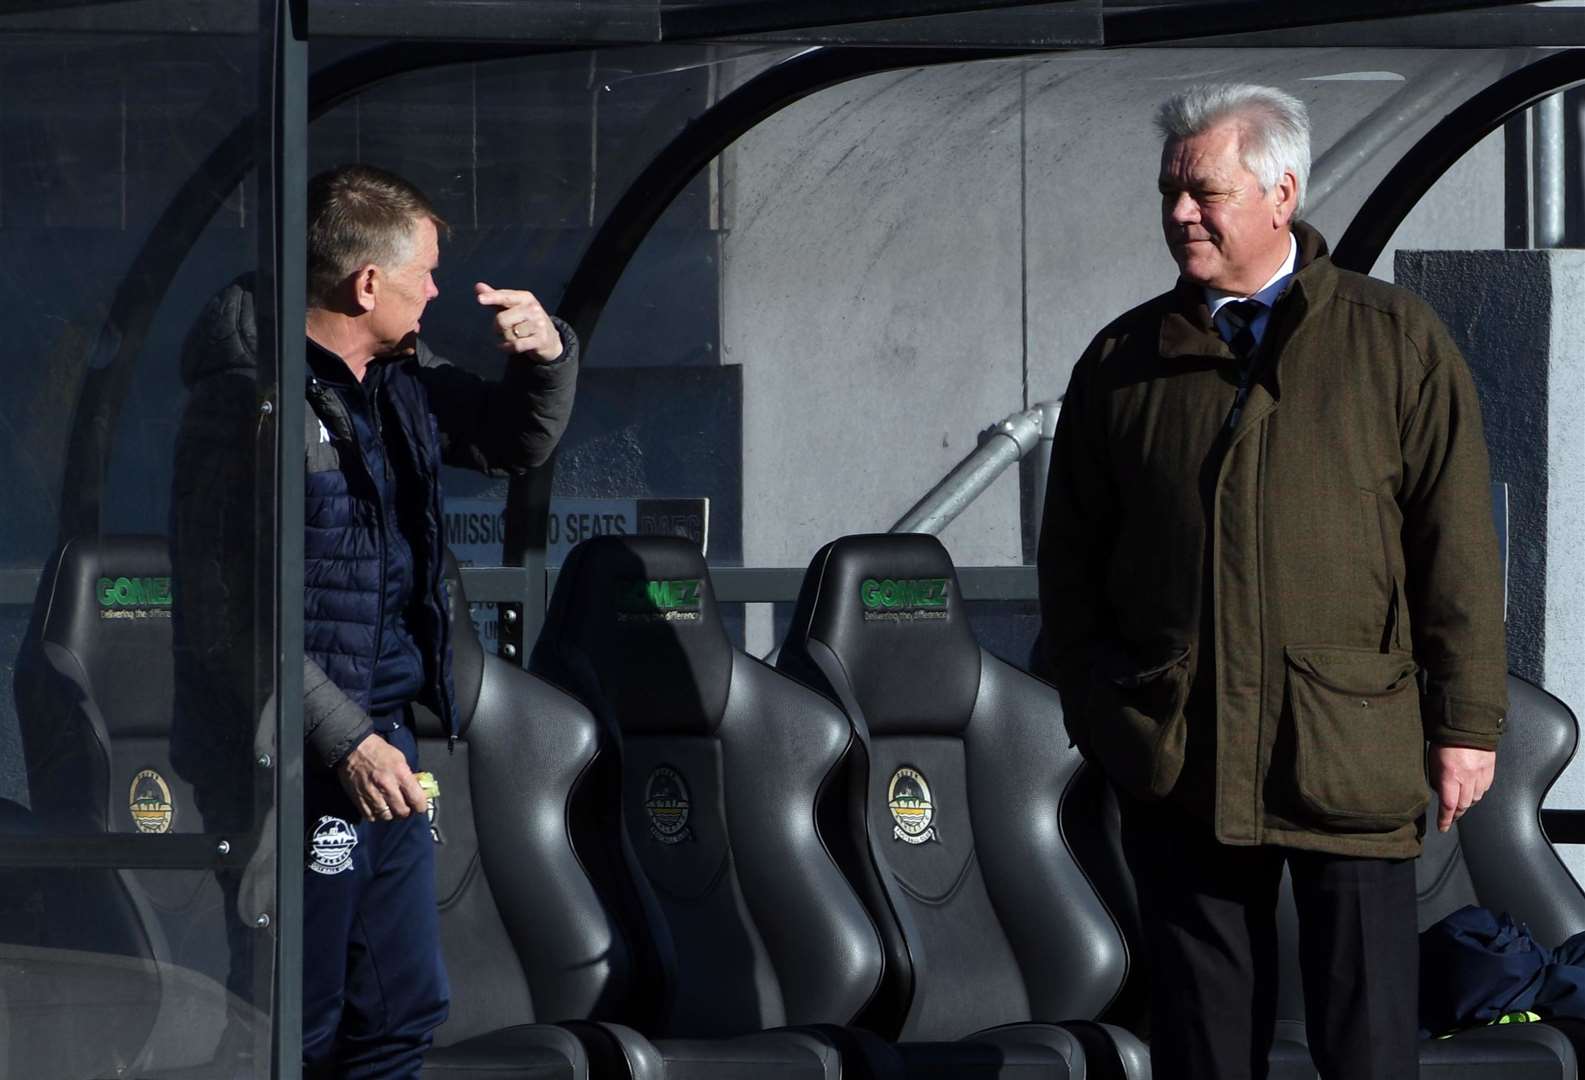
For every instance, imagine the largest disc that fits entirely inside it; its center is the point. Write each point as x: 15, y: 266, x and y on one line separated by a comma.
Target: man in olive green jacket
x: 1269, y: 578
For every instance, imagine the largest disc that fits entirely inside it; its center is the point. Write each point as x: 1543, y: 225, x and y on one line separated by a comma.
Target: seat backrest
x: 95, y: 686
x: 523, y: 928
x: 1511, y: 864
x: 723, y: 765
x: 989, y: 918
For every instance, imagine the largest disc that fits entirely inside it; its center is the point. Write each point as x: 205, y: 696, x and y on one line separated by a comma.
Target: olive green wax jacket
x: 1266, y: 624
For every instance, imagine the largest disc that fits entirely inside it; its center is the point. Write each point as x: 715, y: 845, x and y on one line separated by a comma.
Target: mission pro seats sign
x: 476, y: 528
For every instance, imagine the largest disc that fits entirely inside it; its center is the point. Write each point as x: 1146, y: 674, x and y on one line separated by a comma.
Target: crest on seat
x: 908, y: 798
x: 666, y: 803
x: 150, y: 804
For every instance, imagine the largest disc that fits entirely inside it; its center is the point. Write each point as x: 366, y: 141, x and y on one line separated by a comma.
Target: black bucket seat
x: 531, y: 950
x: 994, y: 935
x: 132, y: 951
x: 752, y: 936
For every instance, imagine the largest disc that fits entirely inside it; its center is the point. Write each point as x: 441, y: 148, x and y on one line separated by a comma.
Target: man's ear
x: 1287, y: 200
x: 366, y: 284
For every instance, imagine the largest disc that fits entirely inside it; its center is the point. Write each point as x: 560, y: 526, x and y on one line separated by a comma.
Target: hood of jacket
x: 225, y: 337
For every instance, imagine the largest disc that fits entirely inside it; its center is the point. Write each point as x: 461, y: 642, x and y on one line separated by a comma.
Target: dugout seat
x: 994, y: 936
x: 752, y: 938
x: 94, y: 689
x: 530, y: 948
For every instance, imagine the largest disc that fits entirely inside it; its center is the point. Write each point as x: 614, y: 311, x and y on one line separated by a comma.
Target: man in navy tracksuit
x: 384, y: 414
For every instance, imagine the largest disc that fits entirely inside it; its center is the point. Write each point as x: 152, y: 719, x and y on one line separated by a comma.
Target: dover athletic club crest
x: 908, y: 798
x: 149, y: 802
x: 330, y: 846
x: 666, y: 803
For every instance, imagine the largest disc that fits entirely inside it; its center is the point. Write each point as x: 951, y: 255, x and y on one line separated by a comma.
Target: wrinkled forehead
x: 1213, y: 154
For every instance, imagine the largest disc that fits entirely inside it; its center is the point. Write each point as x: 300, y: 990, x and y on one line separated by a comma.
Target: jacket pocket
x: 1136, y: 721
x: 1359, y: 760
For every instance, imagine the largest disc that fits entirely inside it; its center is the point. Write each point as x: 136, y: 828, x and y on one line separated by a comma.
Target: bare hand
x: 521, y: 323
x: 1460, y: 775
x: 376, y: 778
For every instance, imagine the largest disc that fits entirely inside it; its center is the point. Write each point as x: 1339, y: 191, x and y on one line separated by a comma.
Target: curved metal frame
x: 715, y: 129
x: 1438, y: 149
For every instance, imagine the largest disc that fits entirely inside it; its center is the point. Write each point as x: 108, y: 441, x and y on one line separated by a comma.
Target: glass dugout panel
x: 525, y: 159
x: 136, y: 868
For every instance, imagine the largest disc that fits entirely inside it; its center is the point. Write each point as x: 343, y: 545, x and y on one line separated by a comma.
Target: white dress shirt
x: 1266, y: 296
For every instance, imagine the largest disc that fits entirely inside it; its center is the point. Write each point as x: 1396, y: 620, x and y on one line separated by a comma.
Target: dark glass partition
x: 137, y: 726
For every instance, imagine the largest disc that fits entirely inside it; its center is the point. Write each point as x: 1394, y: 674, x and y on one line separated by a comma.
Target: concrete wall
x: 1519, y: 316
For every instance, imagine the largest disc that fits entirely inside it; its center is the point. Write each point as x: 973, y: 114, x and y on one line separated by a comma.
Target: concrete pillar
x: 1519, y: 317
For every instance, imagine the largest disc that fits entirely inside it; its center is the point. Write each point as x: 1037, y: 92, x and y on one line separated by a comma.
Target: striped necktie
x: 1240, y: 317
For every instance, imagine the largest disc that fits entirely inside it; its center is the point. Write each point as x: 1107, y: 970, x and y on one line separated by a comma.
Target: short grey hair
x: 1275, y: 136
x: 358, y: 214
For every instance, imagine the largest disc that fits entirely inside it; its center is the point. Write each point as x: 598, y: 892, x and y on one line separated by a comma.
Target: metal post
x: 1550, y: 172
x: 1574, y: 167
x: 282, y: 139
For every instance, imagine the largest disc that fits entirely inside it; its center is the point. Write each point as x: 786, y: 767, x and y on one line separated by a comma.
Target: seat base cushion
x: 972, y: 1059
x: 526, y: 1052
x: 1510, y: 1052
x: 774, y: 1055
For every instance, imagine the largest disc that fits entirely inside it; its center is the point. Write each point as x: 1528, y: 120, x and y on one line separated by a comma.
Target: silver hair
x: 1275, y: 134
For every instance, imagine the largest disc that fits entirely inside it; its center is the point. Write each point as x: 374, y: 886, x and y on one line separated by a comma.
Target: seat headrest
x: 109, y: 605
x: 633, y: 629
x: 888, y: 606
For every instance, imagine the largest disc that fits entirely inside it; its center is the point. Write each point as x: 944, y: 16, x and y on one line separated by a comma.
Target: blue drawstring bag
x: 1476, y: 965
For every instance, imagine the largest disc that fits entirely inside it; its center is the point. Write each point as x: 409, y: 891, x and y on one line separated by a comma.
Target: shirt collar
x: 1267, y: 294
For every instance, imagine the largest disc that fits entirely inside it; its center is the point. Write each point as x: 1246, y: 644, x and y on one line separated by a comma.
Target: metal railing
x: 1001, y: 446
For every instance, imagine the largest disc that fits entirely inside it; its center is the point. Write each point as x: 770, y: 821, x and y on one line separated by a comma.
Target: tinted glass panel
x: 135, y: 675
x: 525, y: 159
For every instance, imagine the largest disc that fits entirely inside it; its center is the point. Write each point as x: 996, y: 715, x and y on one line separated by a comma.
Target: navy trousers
x: 1209, y: 918
x: 374, y: 986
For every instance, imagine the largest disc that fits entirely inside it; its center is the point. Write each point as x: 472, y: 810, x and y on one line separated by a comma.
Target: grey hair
x: 358, y: 214
x: 1275, y: 136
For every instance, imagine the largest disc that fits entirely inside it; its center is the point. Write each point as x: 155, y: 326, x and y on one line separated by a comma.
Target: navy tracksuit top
x: 374, y: 615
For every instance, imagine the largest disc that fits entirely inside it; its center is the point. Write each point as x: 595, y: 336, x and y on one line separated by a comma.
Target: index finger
x: 494, y: 297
